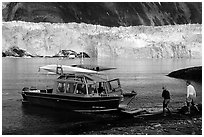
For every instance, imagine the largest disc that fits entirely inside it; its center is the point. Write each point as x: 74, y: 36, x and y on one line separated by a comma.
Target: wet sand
x: 156, y: 125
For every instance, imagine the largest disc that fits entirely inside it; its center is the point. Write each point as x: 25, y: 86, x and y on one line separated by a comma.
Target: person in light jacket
x: 190, y: 97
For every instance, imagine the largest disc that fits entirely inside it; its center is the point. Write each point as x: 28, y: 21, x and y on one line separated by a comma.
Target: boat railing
x: 69, y: 81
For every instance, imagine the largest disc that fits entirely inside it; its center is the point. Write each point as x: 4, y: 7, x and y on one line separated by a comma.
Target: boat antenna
x: 82, y: 58
x: 82, y: 55
x: 59, y: 66
x: 37, y: 78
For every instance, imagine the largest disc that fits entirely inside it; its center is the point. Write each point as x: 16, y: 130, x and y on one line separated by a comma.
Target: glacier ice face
x: 46, y: 39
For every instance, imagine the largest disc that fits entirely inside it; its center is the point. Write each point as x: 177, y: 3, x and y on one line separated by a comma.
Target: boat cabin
x: 87, y: 84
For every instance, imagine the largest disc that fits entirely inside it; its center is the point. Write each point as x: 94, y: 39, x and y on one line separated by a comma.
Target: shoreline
x: 157, y: 125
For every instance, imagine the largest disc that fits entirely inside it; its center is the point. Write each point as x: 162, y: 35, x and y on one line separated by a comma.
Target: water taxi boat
x: 82, y: 90
x: 79, y: 92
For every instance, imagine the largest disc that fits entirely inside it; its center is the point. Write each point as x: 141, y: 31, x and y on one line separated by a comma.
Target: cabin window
x: 98, y: 88
x: 81, y: 89
x: 92, y: 89
x: 101, y: 88
x: 70, y: 88
x: 61, y: 87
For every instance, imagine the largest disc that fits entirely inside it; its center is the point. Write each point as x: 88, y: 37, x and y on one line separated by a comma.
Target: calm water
x: 146, y: 76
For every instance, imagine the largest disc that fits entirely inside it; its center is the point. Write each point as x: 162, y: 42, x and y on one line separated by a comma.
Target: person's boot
x: 196, y: 108
x: 164, y: 112
x: 169, y: 111
x: 189, y: 111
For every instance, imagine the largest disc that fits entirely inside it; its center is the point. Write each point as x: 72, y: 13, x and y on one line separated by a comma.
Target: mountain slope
x: 105, y: 14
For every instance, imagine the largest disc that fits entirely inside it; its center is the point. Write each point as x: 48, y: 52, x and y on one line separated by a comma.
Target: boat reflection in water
x: 79, y: 91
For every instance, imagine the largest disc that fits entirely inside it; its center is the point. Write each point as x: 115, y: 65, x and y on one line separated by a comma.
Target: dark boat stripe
x: 75, y: 100
x: 62, y: 96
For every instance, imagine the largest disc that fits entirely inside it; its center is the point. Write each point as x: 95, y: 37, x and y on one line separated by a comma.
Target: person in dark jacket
x: 166, y: 96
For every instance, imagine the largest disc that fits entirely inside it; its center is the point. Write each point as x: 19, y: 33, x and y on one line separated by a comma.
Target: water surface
x: 146, y: 76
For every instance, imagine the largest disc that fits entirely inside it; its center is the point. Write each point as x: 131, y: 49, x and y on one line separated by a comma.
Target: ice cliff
x: 47, y: 39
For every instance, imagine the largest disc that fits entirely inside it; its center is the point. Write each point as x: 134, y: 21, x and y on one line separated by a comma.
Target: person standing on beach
x: 166, y: 101
x: 191, y: 97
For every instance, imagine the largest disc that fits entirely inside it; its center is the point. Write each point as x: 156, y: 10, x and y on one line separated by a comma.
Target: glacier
x: 48, y: 39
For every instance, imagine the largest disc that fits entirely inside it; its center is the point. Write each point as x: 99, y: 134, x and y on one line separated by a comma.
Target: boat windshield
x: 114, y: 85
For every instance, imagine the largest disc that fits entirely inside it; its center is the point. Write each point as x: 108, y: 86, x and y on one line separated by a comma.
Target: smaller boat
x: 71, y: 56
x: 63, y: 69
x: 93, y: 67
